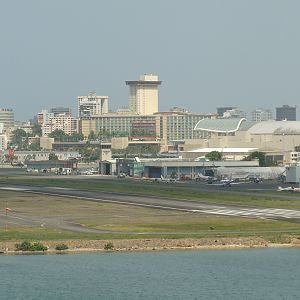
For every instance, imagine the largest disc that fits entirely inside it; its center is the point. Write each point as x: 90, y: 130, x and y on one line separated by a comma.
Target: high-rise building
x: 92, y: 105
x: 7, y: 118
x: 286, y: 112
x: 221, y: 110
x: 261, y: 114
x: 143, y: 94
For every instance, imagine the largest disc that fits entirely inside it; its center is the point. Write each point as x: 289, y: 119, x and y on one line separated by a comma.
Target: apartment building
x: 60, y: 122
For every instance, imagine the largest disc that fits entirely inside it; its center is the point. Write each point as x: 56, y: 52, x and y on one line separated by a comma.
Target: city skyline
x: 208, y: 54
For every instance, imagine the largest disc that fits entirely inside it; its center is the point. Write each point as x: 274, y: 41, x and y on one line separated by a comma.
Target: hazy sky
x: 207, y: 53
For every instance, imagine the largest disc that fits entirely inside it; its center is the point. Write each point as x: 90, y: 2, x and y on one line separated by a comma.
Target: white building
x: 92, y: 105
x: 143, y: 94
x: 60, y: 122
x: 260, y: 115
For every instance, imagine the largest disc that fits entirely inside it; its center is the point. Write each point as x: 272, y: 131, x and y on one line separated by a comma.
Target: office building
x: 143, y: 94
x: 260, y: 115
x: 286, y: 112
x: 92, y: 105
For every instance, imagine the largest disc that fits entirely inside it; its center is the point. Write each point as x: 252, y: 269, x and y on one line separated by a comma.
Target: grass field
x: 119, y: 221
x: 175, y: 191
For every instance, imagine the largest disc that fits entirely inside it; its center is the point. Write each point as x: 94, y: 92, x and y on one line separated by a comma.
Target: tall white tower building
x: 143, y: 94
x: 91, y: 105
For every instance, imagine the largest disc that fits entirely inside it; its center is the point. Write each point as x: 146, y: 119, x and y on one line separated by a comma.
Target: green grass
x: 131, y: 222
x: 35, y: 234
x: 175, y: 191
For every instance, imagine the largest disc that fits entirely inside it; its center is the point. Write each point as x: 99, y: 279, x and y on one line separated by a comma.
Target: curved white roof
x: 276, y: 127
x: 219, y: 125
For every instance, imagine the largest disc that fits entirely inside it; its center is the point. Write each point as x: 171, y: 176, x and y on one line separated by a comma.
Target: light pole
x: 100, y: 156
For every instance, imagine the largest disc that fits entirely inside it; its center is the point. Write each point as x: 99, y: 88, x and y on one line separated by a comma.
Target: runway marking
x: 16, y: 189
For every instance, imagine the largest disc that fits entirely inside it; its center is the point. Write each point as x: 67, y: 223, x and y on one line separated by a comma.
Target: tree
x: 92, y: 136
x: 37, y: 130
x: 34, y: 146
x: 258, y: 155
x: 214, y: 156
x: 53, y: 156
x: 75, y: 137
x: 19, y: 138
x: 58, y: 135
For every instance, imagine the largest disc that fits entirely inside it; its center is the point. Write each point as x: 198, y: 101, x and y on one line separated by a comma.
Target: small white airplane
x: 288, y: 189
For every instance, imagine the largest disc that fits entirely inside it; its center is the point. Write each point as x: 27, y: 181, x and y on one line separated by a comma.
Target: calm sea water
x: 242, y: 274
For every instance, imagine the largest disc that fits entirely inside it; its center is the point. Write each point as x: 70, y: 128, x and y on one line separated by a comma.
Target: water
x: 240, y: 274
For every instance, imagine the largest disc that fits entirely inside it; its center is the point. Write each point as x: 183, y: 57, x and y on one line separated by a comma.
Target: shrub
x: 27, y: 246
x: 24, y: 246
x: 61, y: 247
x: 109, y: 246
x: 38, y: 247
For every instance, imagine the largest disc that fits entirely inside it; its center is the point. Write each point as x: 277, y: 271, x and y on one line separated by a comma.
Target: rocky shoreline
x: 75, y: 246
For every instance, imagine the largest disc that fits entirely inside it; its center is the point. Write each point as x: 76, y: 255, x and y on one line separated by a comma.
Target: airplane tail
x: 280, y: 189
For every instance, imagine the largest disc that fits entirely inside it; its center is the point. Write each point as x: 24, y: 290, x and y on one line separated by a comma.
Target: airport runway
x: 161, y: 203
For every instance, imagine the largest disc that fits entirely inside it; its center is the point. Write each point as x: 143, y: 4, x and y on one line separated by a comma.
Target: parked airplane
x: 288, y: 189
x: 201, y: 177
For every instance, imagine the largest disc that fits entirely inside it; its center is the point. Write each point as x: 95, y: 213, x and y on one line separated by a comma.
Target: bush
x: 61, y: 247
x: 109, y: 246
x: 27, y: 246
x: 38, y: 247
x: 24, y: 246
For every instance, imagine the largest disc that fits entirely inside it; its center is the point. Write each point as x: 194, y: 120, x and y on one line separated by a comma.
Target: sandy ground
x: 159, y: 244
